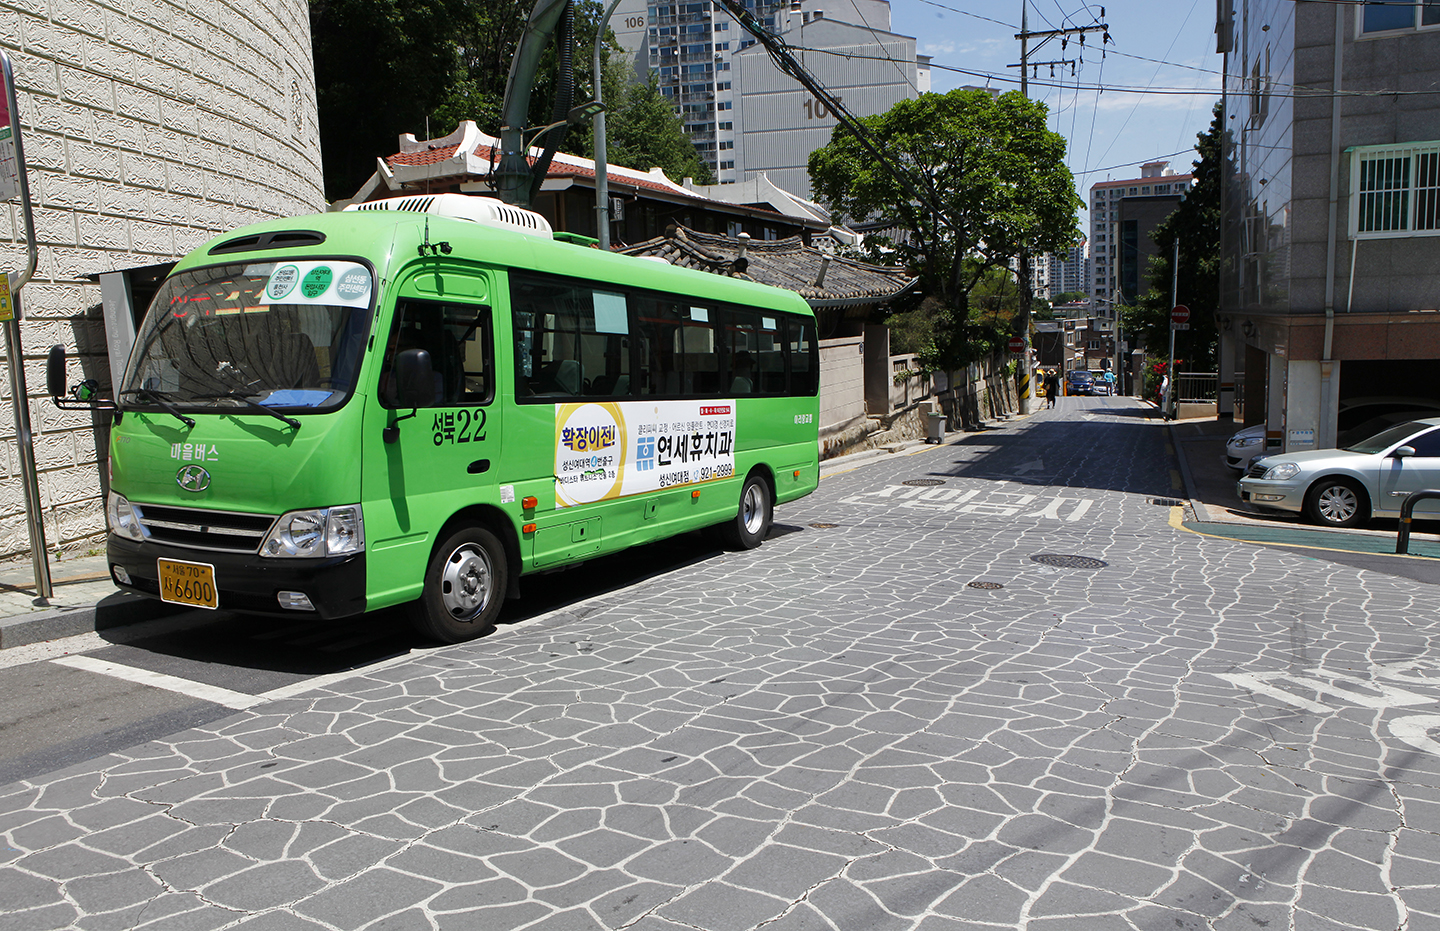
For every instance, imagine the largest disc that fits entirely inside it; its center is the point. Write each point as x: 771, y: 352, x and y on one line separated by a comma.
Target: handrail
x: 1402, y: 536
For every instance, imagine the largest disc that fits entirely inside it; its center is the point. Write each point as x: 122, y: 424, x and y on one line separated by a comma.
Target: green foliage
x: 388, y: 67
x: 999, y: 177
x: 1069, y: 297
x: 1196, y: 224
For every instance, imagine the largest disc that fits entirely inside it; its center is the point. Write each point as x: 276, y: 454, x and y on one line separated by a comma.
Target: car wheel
x: 1337, y: 502
x: 752, y: 521
x: 464, y: 587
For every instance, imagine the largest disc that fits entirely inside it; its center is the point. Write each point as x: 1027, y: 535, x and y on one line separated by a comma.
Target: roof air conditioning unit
x: 486, y: 211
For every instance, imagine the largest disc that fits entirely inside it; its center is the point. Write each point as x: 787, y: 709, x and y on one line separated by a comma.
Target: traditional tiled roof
x: 784, y: 263
x: 469, y: 155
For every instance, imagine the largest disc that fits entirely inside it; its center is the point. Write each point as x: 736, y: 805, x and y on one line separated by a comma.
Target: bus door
x: 422, y: 465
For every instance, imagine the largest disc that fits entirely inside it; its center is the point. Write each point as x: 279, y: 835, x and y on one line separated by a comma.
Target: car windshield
x: 286, y: 335
x: 1387, y: 438
x: 1079, y: 376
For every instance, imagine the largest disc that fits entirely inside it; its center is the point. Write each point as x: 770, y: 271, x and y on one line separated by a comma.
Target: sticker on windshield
x: 317, y: 281
x: 342, y: 284
x: 282, y: 282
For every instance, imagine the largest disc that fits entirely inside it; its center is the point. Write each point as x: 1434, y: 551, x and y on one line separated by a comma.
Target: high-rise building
x: 744, y: 115
x: 1122, y: 214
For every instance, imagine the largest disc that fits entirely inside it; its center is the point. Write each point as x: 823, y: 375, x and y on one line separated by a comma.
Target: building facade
x: 1122, y: 215
x: 148, y: 129
x: 712, y: 71
x: 1331, y: 232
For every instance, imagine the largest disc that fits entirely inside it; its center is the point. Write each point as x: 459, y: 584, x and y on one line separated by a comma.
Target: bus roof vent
x: 275, y: 239
x: 485, y: 210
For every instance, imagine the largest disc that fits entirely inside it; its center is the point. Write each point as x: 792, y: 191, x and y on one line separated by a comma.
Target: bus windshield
x: 284, y: 335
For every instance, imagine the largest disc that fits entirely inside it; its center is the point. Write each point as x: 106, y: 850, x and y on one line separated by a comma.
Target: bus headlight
x: 316, y: 532
x: 123, y: 522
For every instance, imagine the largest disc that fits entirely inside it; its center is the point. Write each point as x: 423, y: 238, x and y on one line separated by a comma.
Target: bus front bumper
x: 246, y: 582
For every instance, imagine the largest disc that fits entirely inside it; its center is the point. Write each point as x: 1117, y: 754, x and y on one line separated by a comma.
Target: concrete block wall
x: 842, y: 380
x: 149, y: 127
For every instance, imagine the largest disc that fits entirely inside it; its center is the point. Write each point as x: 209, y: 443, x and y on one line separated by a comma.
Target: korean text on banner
x: 9, y: 163
x: 626, y: 448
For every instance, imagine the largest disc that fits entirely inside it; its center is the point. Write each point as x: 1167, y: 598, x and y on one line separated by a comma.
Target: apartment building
x: 1122, y: 215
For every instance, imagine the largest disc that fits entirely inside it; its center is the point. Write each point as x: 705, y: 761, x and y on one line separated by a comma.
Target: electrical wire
x: 971, y: 15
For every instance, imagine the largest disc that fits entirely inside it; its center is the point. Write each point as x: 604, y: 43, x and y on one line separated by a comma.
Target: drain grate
x: 924, y: 482
x: 987, y: 586
x: 1168, y: 502
x: 1069, y: 562
x: 824, y: 526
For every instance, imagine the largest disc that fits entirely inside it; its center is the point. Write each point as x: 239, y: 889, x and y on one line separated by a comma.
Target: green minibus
x: 416, y: 401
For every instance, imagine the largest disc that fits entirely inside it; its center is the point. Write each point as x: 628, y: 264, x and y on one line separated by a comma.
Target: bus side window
x: 458, y: 339
x: 738, y: 346
x: 771, y: 362
x: 571, y: 340
x: 801, y: 349
x: 661, y: 354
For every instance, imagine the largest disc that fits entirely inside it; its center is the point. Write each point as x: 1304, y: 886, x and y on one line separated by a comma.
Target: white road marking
x: 211, y: 693
x: 993, y: 504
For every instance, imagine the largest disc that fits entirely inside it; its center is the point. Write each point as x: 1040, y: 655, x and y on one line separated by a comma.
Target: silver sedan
x: 1345, y: 487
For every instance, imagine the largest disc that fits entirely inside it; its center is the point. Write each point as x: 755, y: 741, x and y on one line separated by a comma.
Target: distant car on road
x: 1079, y: 382
x: 1346, y: 487
x: 1099, y: 384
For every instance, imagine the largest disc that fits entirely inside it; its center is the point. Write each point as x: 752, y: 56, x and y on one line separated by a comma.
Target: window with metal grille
x: 1395, y: 191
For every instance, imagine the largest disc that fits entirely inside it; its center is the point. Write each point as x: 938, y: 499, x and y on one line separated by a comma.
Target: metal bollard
x: 1402, y: 536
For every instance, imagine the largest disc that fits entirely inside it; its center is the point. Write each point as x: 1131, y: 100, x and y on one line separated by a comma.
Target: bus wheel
x: 464, y: 587
x: 752, y: 521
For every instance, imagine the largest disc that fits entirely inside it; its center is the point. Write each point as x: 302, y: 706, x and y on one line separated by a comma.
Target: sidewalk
x: 84, y: 600
x: 1210, y: 486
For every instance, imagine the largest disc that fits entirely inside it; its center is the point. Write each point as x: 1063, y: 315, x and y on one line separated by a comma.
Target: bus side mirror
x: 55, y: 372
x: 414, y: 378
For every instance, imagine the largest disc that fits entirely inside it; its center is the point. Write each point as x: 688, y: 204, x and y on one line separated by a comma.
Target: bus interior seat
x: 561, y: 377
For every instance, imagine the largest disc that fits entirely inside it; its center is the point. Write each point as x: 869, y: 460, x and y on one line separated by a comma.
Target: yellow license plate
x: 188, y: 583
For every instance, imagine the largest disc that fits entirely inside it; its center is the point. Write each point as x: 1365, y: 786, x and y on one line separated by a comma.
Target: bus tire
x: 752, y: 521
x: 465, y: 586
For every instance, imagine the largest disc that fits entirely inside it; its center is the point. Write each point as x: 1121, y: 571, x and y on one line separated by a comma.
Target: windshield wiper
x: 162, y: 399
x: 237, y: 396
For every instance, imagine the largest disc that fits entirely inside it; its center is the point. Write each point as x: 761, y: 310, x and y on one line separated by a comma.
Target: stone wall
x: 148, y: 127
x: 842, y: 381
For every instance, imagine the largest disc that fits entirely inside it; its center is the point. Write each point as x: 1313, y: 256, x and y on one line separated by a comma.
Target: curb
x: 115, y: 610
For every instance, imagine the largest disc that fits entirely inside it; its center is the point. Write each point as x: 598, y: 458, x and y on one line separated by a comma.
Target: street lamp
x: 578, y: 114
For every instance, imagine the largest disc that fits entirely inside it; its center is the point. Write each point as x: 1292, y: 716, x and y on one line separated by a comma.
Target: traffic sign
x: 1180, y: 317
x: 1017, y: 345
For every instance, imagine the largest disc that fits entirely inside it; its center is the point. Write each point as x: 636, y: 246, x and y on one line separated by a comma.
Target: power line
x: 969, y: 14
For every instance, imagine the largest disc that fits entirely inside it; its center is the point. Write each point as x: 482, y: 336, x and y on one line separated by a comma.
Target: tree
x: 643, y: 133
x: 387, y: 67
x: 999, y: 178
x: 1196, y: 225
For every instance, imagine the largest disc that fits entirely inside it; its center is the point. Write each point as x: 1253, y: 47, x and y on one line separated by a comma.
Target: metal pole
x: 1174, y: 296
x: 1026, y: 391
x: 19, y: 394
x: 602, y: 170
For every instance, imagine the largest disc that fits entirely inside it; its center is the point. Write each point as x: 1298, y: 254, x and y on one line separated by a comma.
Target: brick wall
x: 149, y: 127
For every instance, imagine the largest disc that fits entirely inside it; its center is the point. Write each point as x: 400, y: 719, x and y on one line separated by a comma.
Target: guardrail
x: 1402, y: 536
x: 1196, y: 386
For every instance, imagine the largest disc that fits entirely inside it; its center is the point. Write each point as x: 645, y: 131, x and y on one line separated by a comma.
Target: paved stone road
x: 1126, y: 727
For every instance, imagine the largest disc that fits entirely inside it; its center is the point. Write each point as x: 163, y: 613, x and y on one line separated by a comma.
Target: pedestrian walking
x: 1052, y: 387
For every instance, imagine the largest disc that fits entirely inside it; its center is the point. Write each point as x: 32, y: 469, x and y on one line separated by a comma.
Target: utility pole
x: 1025, y: 35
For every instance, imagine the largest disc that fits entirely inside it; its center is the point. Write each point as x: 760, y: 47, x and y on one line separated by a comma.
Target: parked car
x: 1244, y: 446
x: 1358, y: 419
x: 1345, y: 487
x: 1079, y: 381
x: 1099, y: 384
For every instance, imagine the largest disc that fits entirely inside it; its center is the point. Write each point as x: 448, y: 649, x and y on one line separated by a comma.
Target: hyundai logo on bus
x: 193, y: 478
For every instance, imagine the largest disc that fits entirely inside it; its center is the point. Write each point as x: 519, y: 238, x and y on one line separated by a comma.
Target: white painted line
x: 1080, y: 509
x: 320, y: 682
x: 211, y: 693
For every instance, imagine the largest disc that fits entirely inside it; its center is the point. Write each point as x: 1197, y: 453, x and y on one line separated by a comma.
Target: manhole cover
x: 1069, y: 562
x: 924, y: 481
x: 824, y: 526
x: 988, y: 586
x: 1168, y: 502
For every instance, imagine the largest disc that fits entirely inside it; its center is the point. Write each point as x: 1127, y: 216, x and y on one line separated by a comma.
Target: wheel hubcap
x: 466, y: 582
x: 752, y: 509
x: 1337, y: 503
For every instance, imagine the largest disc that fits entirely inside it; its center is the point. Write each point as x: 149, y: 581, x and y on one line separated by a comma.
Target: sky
x: 1110, y: 122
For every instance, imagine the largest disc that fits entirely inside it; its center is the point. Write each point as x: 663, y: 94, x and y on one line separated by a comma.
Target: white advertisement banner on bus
x: 624, y: 448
